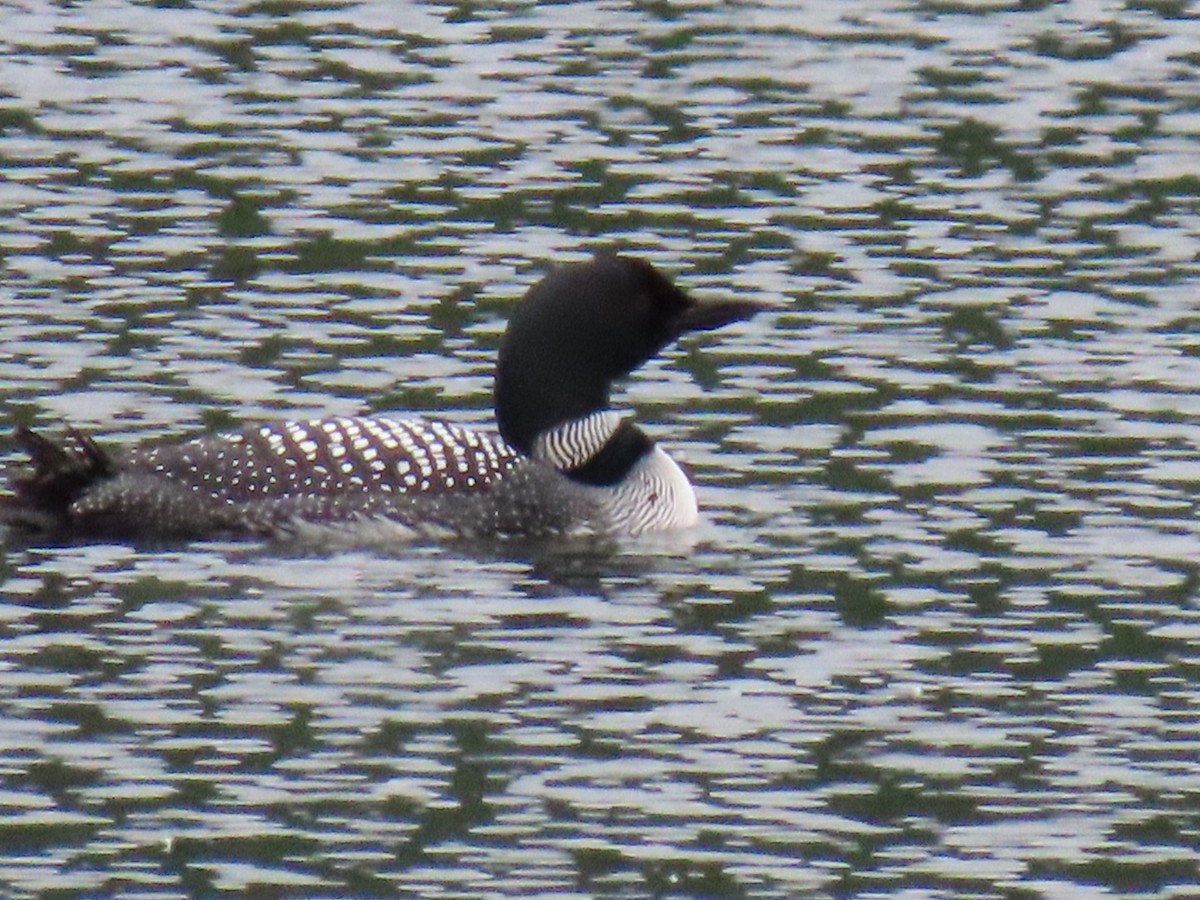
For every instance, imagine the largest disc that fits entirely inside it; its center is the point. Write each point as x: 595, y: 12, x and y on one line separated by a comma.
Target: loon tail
x: 61, y: 471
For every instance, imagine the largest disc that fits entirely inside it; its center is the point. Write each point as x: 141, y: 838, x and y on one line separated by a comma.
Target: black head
x: 582, y: 327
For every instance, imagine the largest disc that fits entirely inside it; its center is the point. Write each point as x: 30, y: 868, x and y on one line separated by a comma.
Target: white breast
x: 654, y: 496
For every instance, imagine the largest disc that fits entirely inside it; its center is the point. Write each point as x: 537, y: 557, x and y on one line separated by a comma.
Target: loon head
x: 581, y: 328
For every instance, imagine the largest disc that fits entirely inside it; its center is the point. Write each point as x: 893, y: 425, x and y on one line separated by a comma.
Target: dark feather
x: 60, y: 472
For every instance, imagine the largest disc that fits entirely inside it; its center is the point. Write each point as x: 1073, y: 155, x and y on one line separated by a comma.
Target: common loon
x: 562, y: 462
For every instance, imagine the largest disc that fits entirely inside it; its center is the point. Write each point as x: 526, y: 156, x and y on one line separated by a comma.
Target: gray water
x: 938, y: 634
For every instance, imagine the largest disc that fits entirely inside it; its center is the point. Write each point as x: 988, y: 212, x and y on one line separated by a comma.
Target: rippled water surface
x: 938, y: 635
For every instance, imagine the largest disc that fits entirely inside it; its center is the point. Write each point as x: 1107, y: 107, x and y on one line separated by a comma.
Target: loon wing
x: 263, y: 480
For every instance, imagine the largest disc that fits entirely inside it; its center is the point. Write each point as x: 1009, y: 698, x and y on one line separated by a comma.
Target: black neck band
x: 619, y: 454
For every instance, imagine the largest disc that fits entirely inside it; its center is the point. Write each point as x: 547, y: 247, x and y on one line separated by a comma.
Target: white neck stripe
x: 572, y: 444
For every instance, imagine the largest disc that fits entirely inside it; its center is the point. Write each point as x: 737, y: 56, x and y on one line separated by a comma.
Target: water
x: 937, y: 635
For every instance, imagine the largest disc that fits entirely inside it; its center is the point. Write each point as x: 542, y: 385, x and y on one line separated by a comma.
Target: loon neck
x: 530, y: 408
x: 599, y: 449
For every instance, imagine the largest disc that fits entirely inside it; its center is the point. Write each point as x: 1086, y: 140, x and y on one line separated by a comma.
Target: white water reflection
x: 936, y: 633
